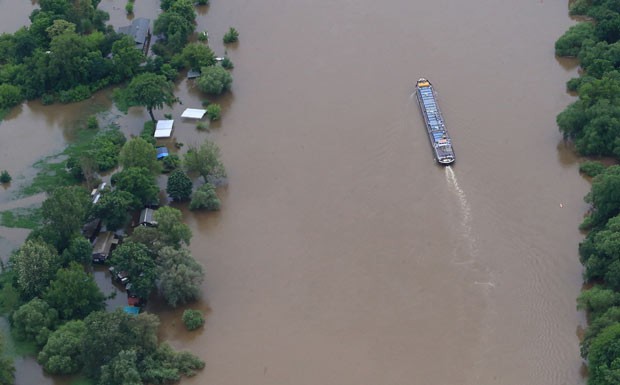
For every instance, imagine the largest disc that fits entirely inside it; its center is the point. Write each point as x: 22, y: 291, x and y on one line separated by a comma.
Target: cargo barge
x: 440, y: 140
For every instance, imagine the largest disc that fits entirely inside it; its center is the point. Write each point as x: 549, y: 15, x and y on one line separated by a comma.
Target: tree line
x: 593, y: 124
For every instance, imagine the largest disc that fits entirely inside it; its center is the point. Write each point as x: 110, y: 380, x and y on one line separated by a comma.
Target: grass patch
x: 52, y: 170
x: 25, y: 218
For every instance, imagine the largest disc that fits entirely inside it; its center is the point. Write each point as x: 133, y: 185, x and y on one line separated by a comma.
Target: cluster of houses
x: 104, y: 241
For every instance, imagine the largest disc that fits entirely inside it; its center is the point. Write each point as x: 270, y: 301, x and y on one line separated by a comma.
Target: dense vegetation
x: 593, y: 124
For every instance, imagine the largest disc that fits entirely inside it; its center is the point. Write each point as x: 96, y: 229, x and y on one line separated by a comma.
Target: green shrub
x: 202, y: 126
x: 171, y: 162
x: 227, y: 63
x: 591, y: 168
x: 193, y: 319
x: 214, y: 80
x: 148, y: 131
x: 214, y: 112
x: 75, y: 94
x: 205, y: 197
x: 204, y: 35
x: 92, y: 123
x: 48, y: 99
x: 5, y: 177
x: 203, y: 2
x: 129, y: 8
x: 10, y: 95
x: 231, y: 36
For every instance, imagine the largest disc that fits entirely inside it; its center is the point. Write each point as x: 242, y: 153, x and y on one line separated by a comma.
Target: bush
x: 5, y: 177
x: 214, y: 112
x: 10, y: 95
x: 47, y: 99
x: 205, y: 197
x: 227, y: 63
x: 204, y: 35
x: 179, y: 186
x: 214, y: 80
x: 193, y: 319
x: 129, y: 8
x: 148, y: 131
x: 591, y: 168
x: 231, y: 36
x: 92, y: 123
x: 171, y: 162
x: 203, y: 2
x: 75, y: 94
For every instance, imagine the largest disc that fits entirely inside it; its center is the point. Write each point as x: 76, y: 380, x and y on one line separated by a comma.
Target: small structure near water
x: 103, y: 246
x: 140, y: 31
x: 163, y: 129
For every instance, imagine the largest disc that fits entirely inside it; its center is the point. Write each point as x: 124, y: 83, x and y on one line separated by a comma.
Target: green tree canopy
x: 63, y: 353
x: 113, y: 208
x: 74, y: 294
x: 65, y: 210
x: 137, y: 152
x: 7, y: 369
x: 214, y: 80
x: 205, y: 197
x: 197, y: 55
x: 135, y: 259
x: 35, y: 264
x: 34, y: 321
x: 139, y: 182
x: 172, y: 231
x: 205, y: 161
x: 149, y: 90
x: 179, y: 186
x: 604, y: 356
x: 79, y: 250
x: 181, y: 276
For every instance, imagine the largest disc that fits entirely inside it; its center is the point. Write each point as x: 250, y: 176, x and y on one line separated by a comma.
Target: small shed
x: 193, y: 74
x: 163, y: 129
x: 193, y: 113
x: 146, y: 218
x: 103, y: 245
x: 162, y: 152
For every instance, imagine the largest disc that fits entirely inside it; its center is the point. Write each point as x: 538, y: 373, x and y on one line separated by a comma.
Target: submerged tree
x: 149, y: 90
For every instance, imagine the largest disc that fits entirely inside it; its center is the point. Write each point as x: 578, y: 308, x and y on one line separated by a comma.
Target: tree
x: 198, y: 55
x: 205, y: 197
x: 570, y: 43
x: 126, y: 58
x: 166, y: 366
x: 214, y: 80
x: 137, y: 152
x: 139, y: 182
x: 172, y: 230
x: 63, y: 353
x: 214, y: 112
x: 151, y: 91
x: 34, y: 321
x: 605, y: 195
x: 5, y: 177
x: 113, y: 208
x: 74, y: 293
x: 205, y: 161
x: 7, y: 369
x: 179, y: 186
x: 80, y: 250
x: 597, y: 300
x: 136, y: 261
x: 147, y: 236
x: 65, y: 211
x: 10, y: 95
x: 35, y: 264
x: 109, y: 333
x: 603, y: 357
x: 181, y: 276
x: 122, y: 370
x: 193, y: 319
x: 231, y: 36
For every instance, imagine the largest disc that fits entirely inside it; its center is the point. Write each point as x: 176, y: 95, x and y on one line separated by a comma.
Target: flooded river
x: 343, y: 254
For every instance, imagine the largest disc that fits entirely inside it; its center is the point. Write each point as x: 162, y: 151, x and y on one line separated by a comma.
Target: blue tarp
x: 133, y: 310
x: 162, y: 152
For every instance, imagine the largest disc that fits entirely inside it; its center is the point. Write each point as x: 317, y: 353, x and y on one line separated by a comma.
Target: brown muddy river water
x: 343, y: 254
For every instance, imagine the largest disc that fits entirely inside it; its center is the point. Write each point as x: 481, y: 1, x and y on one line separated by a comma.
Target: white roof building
x: 193, y: 113
x: 163, y: 128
